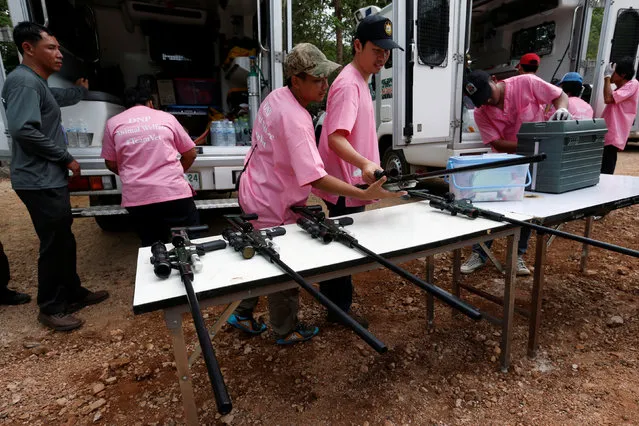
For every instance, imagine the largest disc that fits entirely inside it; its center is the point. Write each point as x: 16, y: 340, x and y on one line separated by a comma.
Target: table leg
x: 456, y: 277
x: 230, y: 308
x: 586, y: 247
x: 509, y: 301
x: 173, y: 320
x: 430, y: 300
x: 537, y: 295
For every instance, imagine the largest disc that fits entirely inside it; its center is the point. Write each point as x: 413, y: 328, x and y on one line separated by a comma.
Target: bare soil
x: 118, y: 369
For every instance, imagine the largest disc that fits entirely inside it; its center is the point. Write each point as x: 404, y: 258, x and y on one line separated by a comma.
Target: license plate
x: 194, y: 179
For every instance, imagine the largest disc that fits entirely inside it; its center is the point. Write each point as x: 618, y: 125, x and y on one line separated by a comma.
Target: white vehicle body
x: 421, y: 114
x: 120, y: 38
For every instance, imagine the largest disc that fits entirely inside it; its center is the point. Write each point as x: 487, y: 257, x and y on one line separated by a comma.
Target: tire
x: 394, y: 159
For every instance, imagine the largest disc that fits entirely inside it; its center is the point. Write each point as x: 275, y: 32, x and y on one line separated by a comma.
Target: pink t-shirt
x: 577, y: 107
x: 523, y: 96
x: 282, y: 163
x: 146, y: 144
x: 349, y: 107
x: 620, y: 115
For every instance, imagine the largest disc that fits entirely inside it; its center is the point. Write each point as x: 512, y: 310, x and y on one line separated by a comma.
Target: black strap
x: 237, y: 182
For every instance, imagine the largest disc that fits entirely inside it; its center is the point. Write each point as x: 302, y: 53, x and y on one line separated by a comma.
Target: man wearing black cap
x: 348, y: 143
x: 500, y: 108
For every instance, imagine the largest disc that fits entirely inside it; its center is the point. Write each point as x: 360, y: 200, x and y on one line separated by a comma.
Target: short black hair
x: 529, y: 68
x: 136, y: 96
x: 626, y: 68
x: 572, y: 88
x: 29, y: 32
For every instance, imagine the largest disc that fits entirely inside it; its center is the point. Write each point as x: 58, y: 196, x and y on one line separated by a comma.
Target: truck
x: 193, y: 54
x: 421, y: 114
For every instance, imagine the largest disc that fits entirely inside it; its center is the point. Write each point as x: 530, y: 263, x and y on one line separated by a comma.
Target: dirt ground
x: 118, y: 369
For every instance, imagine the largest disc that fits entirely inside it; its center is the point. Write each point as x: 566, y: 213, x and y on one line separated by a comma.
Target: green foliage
x: 5, y: 20
x: 595, y: 33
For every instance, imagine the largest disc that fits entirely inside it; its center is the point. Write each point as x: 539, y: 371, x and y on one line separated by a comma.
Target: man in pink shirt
x: 500, y: 109
x: 348, y: 143
x: 150, y: 151
x: 620, y: 110
x: 280, y: 170
x: 572, y: 84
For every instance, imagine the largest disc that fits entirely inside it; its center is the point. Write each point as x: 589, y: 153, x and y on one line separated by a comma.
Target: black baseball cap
x: 378, y: 30
x: 477, y: 87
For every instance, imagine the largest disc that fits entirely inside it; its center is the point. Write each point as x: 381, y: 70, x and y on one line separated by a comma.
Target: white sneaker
x: 473, y: 263
x: 522, y: 269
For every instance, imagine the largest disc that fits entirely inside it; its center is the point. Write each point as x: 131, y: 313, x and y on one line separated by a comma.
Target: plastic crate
x: 500, y: 184
x: 573, y: 148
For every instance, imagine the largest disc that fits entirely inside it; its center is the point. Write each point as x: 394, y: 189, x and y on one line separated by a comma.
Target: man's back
x: 39, y: 155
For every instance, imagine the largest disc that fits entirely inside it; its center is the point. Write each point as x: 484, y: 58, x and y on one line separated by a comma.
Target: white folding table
x: 400, y: 233
x: 612, y: 192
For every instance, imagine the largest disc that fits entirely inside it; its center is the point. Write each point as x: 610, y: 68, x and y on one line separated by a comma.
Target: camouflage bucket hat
x: 307, y: 58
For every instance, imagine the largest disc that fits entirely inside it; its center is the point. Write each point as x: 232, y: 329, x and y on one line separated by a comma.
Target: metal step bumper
x: 112, y: 210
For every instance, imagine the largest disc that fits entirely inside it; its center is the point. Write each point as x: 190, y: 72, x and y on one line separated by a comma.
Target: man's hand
x: 368, y: 172
x: 74, y: 166
x: 376, y: 192
x: 610, y: 70
x: 82, y: 82
x: 561, y: 114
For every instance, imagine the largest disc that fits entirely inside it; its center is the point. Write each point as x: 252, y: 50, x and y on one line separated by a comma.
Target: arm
x: 338, y: 143
x: 501, y: 145
x: 24, y: 123
x: 608, y: 98
x: 188, y: 158
x: 561, y: 101
x: 112, y: 166
x: 72, y: 95
x: 336, y: 186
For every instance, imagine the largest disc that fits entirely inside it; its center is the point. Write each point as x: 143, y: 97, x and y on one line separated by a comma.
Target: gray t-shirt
x: 39, y: 153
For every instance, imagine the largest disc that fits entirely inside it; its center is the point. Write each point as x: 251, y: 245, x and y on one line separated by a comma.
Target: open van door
x: 428, y: 75
x: 619, y: 38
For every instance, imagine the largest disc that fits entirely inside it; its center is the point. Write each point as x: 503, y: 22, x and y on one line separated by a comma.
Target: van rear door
x: 619, y: 38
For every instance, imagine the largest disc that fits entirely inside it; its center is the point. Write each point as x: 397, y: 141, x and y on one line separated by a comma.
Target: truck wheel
x: 394, y: 159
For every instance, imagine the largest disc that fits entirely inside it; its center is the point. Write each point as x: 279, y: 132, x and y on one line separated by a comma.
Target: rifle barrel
x: 222, y: 398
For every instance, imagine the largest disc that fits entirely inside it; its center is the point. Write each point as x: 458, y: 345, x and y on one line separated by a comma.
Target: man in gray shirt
x: 40, y: 165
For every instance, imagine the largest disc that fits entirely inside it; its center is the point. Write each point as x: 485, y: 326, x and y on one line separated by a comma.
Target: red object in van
x: 196, y: 91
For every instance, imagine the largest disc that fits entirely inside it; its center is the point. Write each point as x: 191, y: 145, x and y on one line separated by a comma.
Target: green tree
x: 595, y: 33
x: 8, y: 49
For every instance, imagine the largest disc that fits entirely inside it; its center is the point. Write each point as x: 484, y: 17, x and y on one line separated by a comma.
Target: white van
x: 421, y: 117
x: 184, y: 50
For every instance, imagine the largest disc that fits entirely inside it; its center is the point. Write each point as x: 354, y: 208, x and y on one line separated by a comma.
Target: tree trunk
x: 339, y: 42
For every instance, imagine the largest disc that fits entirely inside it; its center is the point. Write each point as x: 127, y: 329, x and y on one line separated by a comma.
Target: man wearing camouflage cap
x: 279, y: 171
x: 348, y: 143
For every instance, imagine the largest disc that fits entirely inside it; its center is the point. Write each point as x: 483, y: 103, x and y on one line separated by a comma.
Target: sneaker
x: 301, y: 333
x: 12, y: 297
x: 92, y: 298
x: 246, y: 324
x: 522, y: 269
x: 61, y: 321
x: 472, y: 264
x: 337, y: 320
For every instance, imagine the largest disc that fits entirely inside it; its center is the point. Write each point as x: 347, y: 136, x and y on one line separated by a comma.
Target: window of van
x: 626, y: 37
x: 538, y: 39
x: 432, y: 32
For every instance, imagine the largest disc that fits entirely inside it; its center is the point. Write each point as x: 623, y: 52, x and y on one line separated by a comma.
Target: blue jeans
x: 521, y: 248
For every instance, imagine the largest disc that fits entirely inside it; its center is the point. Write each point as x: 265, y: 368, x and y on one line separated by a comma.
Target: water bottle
x: 83, y: 134
x: 230, y: 134
x: 237, y: 126
x: 215, y: 133
x: 72, y: 134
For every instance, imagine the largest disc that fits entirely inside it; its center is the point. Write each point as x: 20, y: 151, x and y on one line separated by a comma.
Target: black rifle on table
x: 465, y: 207
x: 397, y: 182
x: 314, y: 221
x: 185, y: 257
x: 247, y: 240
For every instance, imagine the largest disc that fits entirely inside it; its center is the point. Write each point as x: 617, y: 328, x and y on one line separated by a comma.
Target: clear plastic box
x: 500, y: 184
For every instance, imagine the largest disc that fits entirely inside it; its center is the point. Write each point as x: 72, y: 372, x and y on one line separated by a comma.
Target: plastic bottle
x: 72, y: 134
x: 83, y: 134
x: 237, y: 126
x: 215, y: 133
